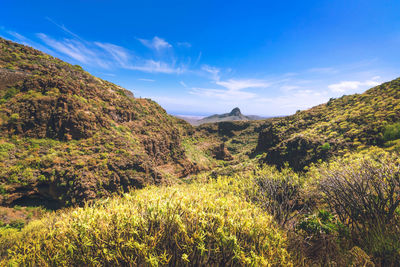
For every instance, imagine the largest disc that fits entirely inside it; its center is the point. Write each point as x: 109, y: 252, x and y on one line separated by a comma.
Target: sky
x: 268, y: 58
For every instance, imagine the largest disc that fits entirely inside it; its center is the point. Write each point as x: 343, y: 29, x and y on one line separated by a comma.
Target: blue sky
x: 204, y: 57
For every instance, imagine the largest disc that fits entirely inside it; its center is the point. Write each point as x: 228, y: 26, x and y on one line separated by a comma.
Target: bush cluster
x: 200, y: 224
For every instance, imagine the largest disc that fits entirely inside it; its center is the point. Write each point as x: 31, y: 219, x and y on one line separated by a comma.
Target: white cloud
x: 352, y: 86
x: 76, y: 50
x: 107, y: 55
x: 156, y: 43
x: 212, y: 70
x: 153, y: 66
x: 183, y: 84
x: 62, y: 27
x: 235, y: 85
x: 221, y: 94
x: 118, y: 53
x: 146, y: 80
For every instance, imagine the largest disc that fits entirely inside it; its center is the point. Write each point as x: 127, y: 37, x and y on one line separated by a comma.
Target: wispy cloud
x: 236, y: 85
x: 146, y: 80
x: 221, y: 94
x: 233, y: 89
x: 153, y: 66
x: 75, y: 49
x: 353, y: 86
x: 183, y: 84
x: 62, y: 27
x: 118, y: 53
x: 156, y: 43
x: 213, y: 71
x: 107, y: 55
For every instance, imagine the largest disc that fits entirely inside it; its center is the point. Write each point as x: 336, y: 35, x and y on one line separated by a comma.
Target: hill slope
x: 67, y: 136
x: 352, y: 122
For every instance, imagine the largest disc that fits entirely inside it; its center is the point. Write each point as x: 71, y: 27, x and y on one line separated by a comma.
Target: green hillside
x: 67, y: 136
x: 92, y: 176
x: 353, y: 122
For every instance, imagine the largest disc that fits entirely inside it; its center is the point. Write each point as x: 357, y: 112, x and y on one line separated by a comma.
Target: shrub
x: 279, y: 193
x: 392, y: 132
x: 326, y: 146
x: 317, y: 237
x: 365, y: 195
x: 182, y: 225
x: 10, y: 93
x: 319, y: 224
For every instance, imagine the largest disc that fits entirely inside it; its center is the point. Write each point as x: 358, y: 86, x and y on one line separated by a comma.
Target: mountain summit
x: 234, y: 115
x: 236, y: 112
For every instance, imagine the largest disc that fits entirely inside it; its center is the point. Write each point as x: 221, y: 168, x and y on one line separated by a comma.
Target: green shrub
x: 392, y: 132
x: 17, y: 224
x: 10, y: 93
x: 326, y: 146
x: 322, y: 223
x: 193, y: 224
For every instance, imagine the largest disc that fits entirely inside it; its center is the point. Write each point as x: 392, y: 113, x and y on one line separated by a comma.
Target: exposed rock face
x: 222, y: 153
x: 67, y: 137
x: 235, y: 112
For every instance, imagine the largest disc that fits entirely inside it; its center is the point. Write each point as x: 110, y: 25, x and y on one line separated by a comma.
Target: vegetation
x: 226, y: 221
x: 352, y: 122
x: 200, y: 224
x: 77, y: 137
x: 318, y: 188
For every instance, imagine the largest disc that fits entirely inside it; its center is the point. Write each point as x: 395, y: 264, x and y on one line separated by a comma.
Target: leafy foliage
x: 200, y: 224
x: 392, y: 132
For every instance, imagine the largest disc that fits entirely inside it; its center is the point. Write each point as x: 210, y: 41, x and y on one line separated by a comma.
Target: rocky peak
x: 235, y: 112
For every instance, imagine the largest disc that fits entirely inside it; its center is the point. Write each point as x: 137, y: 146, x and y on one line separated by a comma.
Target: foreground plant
x: 196, y: 224
x: 365, y: 195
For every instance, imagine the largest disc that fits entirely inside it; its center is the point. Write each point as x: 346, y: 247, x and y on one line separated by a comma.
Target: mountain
x: 190, y: 119
x: 67, y: 136
x: 349, y: 123
x: 234, y: 115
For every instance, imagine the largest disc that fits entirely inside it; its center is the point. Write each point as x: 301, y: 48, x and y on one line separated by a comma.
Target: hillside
x: 350, y: 123
x: 67, y: 136
x: 234, y: 115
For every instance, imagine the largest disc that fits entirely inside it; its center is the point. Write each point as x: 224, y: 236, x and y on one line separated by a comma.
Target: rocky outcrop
x: 221, y: 153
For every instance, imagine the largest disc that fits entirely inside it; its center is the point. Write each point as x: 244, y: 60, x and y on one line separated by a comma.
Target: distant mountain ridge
x: 234, y: 115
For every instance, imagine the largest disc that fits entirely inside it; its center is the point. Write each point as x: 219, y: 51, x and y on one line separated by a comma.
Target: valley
x: 91, y: 175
